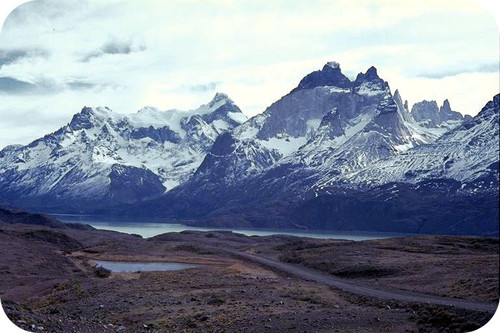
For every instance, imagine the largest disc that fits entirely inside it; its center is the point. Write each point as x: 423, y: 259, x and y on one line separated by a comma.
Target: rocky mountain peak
x: 397, y: 95
x: 222, y: 112
x: 369, y: 76
x: 370, y: 84
x: 446, y: 105
x: 372, y: 73
x: 402, y: 107
x: 88, y: 117
x: 429, y: 114
x: 219, y: 97
x: 330, y: 76
x: 148, y: 109
x: 426, y: 112
x: 446, y: 113
x: 492, y: 108
x: 82, y: 119
x: 332, y: 64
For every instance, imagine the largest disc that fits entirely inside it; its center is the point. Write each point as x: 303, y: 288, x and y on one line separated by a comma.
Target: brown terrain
x: 243, y: 284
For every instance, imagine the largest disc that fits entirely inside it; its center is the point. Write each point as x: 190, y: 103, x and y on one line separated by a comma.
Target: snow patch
x: 285, y: 146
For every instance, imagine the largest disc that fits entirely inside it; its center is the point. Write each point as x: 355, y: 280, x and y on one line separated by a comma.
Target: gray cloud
x: 484, y: 68
x: 117, y: 48
x: 196, y: 88
x: 8, y: 57
x: 13, y: 86
x: 203, y: 87
x: 78, y: 85
x: 11, y: 56
x: 113, y: 48
x: 9, y: 85
x: 81, y: 85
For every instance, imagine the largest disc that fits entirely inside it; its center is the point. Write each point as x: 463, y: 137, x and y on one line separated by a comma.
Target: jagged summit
x: 330, y: 76
x: 332, y: 64
x: 219, y: 96
x: 370, y: 84
x: 222, y: 109
x: 446, y: 105
x: 85, y: 118
x: 446, y: 113
x: 397, y: 95
x: 369, y: 76
x: 430, y: 115
x: 426, y: 112
x: 402, y: 107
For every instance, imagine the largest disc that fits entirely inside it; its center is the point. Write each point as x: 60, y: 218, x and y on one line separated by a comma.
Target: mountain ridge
x: 290, y: 178
x: 330, y: 143
x: 102, y: 157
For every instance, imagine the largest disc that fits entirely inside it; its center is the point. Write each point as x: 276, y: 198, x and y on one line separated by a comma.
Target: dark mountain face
x: 431, y: 207
x: 329, y: 76
x: 128, y: 183
x: 162, y: 134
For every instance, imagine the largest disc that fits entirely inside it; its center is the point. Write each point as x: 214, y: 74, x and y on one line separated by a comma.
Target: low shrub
x: 101, y: 272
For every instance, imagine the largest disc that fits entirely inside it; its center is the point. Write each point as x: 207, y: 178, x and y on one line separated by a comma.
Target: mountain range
x: 333, y: 153
x: 102, y: 158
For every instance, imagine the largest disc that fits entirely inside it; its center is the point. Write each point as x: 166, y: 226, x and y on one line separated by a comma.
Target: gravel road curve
x: 392, y: 294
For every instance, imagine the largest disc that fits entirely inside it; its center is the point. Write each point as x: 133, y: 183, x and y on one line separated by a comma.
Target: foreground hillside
x: 48, y: 282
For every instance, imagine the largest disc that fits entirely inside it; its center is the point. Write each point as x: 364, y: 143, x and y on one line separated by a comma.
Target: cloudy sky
x: 57, y: 56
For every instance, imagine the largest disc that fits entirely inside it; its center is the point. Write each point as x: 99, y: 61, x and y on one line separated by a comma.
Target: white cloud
x: 129, y: 53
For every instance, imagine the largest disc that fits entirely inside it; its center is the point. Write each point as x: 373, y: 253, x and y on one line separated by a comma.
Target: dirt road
x: 393, y: 294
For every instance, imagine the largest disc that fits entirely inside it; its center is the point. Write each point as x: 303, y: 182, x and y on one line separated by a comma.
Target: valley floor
x: 47, y: 282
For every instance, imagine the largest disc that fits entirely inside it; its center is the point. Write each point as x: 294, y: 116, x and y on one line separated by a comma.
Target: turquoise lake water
x: 149, y: 229
x: 132, y: 267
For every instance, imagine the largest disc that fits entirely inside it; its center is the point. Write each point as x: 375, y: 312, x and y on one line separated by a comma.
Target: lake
x: 150, y: 229
x: 132, y: 267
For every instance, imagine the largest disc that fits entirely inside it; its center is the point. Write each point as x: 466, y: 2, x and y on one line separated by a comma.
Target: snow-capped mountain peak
x: 327, y: 122
x: 100, y: 149
x: 218, y: 97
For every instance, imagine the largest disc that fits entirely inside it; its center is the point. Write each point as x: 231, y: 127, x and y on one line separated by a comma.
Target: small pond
x: 132, y: 267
